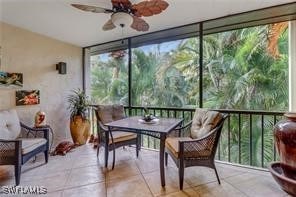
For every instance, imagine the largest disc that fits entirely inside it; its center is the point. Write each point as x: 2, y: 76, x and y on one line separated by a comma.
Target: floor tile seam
x: 58, y: 190
x: 150, y: 171
x: 199, y: 185
x: 247, y: 181
x: 106, y: 183
x: 226, y: 177
x: 42, y: 178
x: 128, y: 176
x: 243, y: 192
x: 144, y: 179
x: 105, y: 178
x: 112, y: 180
x: 97, y: 164
x: 91, y: 183
x: 74, y: 187
x: 166, y: 193
x: 67, y: 179
x: 145, y: 173
x: 232, y: 176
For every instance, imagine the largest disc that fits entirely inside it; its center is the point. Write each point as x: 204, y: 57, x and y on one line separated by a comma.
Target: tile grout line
x: 67, y: 179
x: 73, y: 187
x: 105, y: 178
x: 237, y: 187
x: 105, y: 171
x: 144, y: 178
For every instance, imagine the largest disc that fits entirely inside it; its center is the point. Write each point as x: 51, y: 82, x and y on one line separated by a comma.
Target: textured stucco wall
x: 35, y: 56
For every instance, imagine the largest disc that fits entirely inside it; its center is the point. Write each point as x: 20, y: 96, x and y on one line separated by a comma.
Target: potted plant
x: 79, y: 124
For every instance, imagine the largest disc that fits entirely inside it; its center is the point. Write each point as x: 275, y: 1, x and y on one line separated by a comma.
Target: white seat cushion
x: 203, y: 122
x: 9, y: 125
x: 30, y: 144
x: 120, y: 136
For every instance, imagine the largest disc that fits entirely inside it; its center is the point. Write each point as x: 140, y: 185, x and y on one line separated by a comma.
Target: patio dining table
x: 158, y: 130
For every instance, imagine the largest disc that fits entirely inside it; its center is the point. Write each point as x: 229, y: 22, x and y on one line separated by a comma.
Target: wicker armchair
x: 200, y: 148
x: 106, y: 114
x: 16, y: 150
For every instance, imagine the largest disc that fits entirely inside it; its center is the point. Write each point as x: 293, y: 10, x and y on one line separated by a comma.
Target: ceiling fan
x: 125, y: 13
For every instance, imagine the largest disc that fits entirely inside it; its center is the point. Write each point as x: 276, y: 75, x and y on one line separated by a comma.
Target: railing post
x: 200, y: 65
x: 129, y: 76
x: 292, y: 65
x: 228, y: 136
x: 251, y: 139
x: 262, y: 141
x: 251, y: 124
x: 239, y: 139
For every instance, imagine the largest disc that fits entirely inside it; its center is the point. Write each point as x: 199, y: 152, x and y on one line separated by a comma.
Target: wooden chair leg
x: 98, y: 150
x: 17, y: 173
x: 46, y: 156
x: 217, y: 174
x: 138, y: 145
x: 113, y: 163
x: 181, y: 174
x: 106, y: 156
x: 166, y: 158
x: 137, y: 150
x: 139, y: 141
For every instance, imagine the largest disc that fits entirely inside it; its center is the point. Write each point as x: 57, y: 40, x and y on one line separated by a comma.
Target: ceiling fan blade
x: 108, y: 25
x: 94, y: 9
x: 139, y: 24
x: 149, y: 7
x: 125, y: 3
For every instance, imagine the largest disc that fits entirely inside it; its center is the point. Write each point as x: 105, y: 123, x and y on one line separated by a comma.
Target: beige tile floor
x: 81, y: 174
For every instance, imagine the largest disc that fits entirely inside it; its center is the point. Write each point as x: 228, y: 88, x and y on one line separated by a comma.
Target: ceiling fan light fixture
x: 122, y: 19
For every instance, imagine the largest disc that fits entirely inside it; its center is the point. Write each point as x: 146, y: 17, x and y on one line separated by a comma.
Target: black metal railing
x: 247, y: 136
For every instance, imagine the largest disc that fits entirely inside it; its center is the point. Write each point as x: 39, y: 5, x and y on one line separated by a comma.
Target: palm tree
x: 109, y: 78
x: 240, y: 73
x: 243, y: 69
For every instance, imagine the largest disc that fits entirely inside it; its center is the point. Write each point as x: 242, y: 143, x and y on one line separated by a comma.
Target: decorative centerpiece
x: 40, y: 119
x: 148, y: 118
x: 284, y: 172
x: 79, y: 124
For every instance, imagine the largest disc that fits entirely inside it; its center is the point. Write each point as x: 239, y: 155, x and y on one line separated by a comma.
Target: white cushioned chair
x: 200, y: 147
x: 16, y: 150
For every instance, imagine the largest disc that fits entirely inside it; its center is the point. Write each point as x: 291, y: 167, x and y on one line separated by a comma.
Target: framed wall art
x: 27, y: 97
x: 11, y: 80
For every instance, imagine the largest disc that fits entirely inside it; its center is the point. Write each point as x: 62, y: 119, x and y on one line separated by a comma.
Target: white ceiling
x: 57, y: 19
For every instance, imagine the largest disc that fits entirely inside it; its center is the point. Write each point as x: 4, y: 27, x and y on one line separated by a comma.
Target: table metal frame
x: 148, y: 130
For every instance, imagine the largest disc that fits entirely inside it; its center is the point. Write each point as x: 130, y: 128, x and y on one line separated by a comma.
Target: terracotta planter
x: 285, y: 139
x: 80, y: 130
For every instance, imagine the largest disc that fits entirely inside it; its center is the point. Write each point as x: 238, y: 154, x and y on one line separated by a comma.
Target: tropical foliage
x: 78, y: 103
x: 245, y: 69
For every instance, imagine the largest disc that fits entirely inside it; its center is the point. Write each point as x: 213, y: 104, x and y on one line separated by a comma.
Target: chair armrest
x: 183, y: 128
x: 102, y: 126
x: 9, y: 141
x: 105, y: 128
x: 44, y: 130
